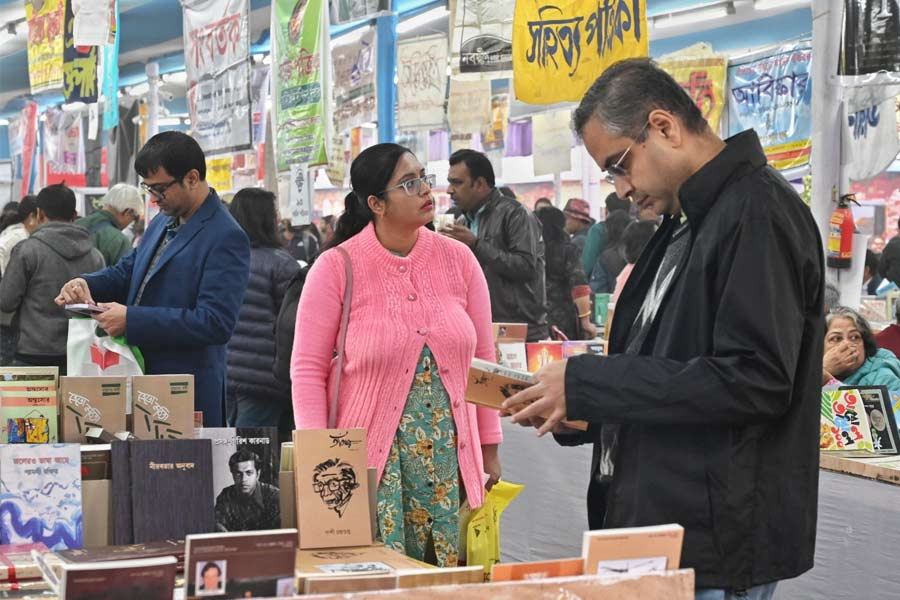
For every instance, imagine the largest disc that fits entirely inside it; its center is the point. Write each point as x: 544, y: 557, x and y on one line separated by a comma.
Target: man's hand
x: 75, y: 292
x: 545, y: 399
x: 460, y: 233
x: 491, y: 464
x: 113, y: 318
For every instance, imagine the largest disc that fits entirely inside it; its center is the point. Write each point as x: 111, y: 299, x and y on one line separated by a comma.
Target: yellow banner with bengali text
x: 218, y: 173
x: 560, y: 48
x: 703, y: 75
x: 45, y: 44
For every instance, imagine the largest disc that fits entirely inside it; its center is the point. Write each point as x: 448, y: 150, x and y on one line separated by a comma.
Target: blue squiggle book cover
x: 40, y: 495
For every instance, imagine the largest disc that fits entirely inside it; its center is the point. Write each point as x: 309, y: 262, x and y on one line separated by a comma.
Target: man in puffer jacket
x: 56, y: 252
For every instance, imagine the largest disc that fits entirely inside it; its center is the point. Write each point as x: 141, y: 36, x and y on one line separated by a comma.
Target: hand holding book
x: 546, y: 399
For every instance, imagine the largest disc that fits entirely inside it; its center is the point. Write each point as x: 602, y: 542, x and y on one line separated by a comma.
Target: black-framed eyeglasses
x: 159, y: 189
x: 413, y: 187
x: 617, y: 171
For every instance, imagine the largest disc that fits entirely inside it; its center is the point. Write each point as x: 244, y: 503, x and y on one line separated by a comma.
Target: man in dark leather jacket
x: 506, y: 240
x: 706, y: 411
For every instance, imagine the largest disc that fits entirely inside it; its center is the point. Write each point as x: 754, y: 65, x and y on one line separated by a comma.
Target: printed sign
x: 46, y: 20
x: 422, y: 82
x: 79, y: 66
x: 354, y: 83
x: 482, y: 37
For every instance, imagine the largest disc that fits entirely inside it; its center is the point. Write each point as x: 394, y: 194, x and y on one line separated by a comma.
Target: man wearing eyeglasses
x: 177, y: 296
x: 706, y: 411
x: 505, y: 238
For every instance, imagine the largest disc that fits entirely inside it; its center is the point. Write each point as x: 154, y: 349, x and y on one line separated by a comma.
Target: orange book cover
x: 541, y: 354
x: 632, y: 550
x: 545, y: 569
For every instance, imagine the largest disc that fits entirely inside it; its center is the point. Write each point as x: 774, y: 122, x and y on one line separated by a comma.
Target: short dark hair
x: 254, y: 210
x: 176, y: 152
x: 626, y: 93
x: 872, y: 259
x: 209, y: 567
x: 635, y: 238
x: 616, y: 223
x: 477, y: 163
x: 57, y: 201
x: 613, y: 202
x: 27, y: 207
x: 244, y: 455
x: 507, y: 191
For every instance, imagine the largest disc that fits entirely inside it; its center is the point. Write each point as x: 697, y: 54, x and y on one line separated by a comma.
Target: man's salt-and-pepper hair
x: 122, y: 197
x: 625, y: 94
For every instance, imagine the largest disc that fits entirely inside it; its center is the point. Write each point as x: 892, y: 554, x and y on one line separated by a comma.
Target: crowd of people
x: 715, y: 362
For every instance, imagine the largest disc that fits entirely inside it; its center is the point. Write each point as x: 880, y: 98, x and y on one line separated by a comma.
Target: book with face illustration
x: 876, y: 402
x: 330, y: 474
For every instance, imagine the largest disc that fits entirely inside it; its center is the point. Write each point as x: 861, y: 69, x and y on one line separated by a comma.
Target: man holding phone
x: 176, y: 297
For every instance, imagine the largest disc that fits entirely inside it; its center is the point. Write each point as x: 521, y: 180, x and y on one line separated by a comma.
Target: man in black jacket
x: 506, y: 240
x: 706, y: 412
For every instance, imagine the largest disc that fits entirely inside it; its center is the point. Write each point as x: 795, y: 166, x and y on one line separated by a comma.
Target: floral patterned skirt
x: 418, y: 497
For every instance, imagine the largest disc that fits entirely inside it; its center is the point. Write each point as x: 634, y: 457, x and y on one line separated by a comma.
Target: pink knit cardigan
x: 437, y: 295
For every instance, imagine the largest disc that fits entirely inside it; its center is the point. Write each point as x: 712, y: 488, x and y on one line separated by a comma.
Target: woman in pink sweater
x: 419, y: 313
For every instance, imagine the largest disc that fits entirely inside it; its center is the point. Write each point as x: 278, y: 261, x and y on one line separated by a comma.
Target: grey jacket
x: 38, y: 268
x: 510, y: 249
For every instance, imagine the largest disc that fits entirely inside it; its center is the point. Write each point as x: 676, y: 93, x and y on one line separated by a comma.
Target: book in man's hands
x: 632, y: 550
x: 490, y: 385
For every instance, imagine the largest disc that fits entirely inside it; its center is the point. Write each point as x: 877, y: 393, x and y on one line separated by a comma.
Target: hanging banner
x: 217, y: 61
x: 46, y: 22
x: 871, y: 38
x: 553, y: 154
x: 702, y: 73
x: 771, y: 92
x: 870, y: 143
x: 345, y: 11
x: 261, y: 78
x: 550, y: 64
x: 109, y: 75
x: 300, y: 196
x: 301, y: 113
x: 493, y: 132
x: 354, y: 83
x: 337, y: 161
x: 469, y: 105
x: 422, y: 82
x: 95, y: 22
x: 79, y: 66
x: 482, y: 45
x: 218, y: 173
x: 22, y: 143
x: 64, y: 150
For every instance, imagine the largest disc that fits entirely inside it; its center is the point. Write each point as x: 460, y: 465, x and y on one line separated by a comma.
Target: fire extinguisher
x: 840, y: 234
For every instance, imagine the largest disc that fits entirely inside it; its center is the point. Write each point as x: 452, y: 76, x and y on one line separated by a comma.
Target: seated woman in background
x: 851, y: 355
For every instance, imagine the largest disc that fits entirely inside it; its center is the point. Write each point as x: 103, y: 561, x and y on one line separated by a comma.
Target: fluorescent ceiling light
x: 169, y: 121
x: 693, y: 16
x: 139, y: 89
x: 369, y: 125
x: 780, y: 4
x: 176, y: 77
x: 421, y: 19
x: 267, y: 60
x: 4, y: 122
x: 74, y: 107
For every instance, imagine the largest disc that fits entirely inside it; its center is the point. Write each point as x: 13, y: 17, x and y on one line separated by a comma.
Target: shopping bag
x: 483, y: 530
x: 91, y: 352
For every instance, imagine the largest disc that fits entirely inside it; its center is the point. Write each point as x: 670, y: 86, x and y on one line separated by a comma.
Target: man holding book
x: 706, y: 411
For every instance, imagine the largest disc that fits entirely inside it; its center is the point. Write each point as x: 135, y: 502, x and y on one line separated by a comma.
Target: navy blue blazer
x: 191, y: 303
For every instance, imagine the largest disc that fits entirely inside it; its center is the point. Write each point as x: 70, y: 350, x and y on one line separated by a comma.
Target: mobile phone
x: 84, y: 310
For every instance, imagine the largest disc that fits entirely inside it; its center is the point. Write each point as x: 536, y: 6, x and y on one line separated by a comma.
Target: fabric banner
x: 345, y: 11
x: 354, y: 82
x: 260, y: 82
x: 218, y: 173
x: 482, y: 38
x: 109, y: 77
x: 870, y: 143
x: 64, y: 149
x: 337, y: 161
x: 553, y: 154
x: 871, y: 37
x: 300, y: 55
x: 79, y: 65
x: 702, y: 73
x: 217, y: 61
x: 493, y: 132
x: 22, y: 143
x: 772, y: 93
x: 469, y: 105
x: 95, y: 22
x: 46, y: 22
x: 549, y: 62
x: 300, y: 196
x: 422, y: 82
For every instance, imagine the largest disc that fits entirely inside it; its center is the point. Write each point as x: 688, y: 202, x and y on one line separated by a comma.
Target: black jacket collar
x: 742, y: 153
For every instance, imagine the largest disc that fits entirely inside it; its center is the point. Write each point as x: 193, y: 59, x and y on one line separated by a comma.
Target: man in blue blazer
x: 177, y: 296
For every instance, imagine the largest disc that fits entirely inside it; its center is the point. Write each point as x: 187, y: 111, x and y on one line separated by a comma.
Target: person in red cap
x: 578, y: 221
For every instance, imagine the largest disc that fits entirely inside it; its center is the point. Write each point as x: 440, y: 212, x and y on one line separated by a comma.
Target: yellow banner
x: 218, y: 173
x: 45, y: 44
x: 560, y: 48
x: 703, y: 78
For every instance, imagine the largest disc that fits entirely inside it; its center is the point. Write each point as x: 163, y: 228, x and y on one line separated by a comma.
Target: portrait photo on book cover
x: 335, y: 481
x: 247, y: 496
x: 210, y: 579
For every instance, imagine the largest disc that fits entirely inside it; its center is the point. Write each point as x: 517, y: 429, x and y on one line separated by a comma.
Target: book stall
x: 158, y: 507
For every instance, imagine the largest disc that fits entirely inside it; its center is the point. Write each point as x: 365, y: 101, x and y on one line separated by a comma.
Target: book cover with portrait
x: 880, y: 413
x: 40, y: 495
x: 245, y: 477
x: 247, y: 564
x: 332, y: 487
x: 147, y: 579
